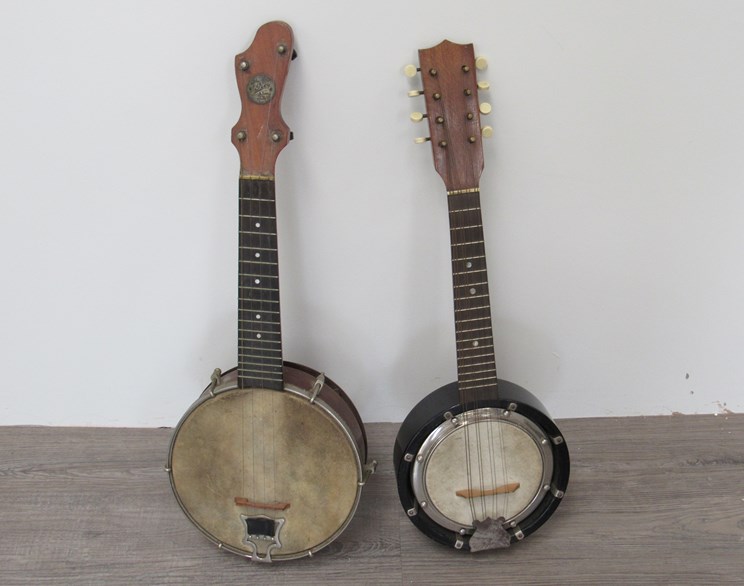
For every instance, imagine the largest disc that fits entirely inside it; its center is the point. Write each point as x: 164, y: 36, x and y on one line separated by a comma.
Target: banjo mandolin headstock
x: 453, y: 111
x: 261, y: 133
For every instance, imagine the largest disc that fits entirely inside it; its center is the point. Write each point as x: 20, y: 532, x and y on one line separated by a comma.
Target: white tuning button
x: 485, y: 108
x: 417, y: 116
x: 414, y: 93
x: 422, y: 139
x: 487, y: 132
x: 484, y: 85
x: 481, y: 63
x: 411, y: 70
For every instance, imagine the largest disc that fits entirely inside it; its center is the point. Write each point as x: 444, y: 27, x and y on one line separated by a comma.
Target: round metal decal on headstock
x: 261, y: 89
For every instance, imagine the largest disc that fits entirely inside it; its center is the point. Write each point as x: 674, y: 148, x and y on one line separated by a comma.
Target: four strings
x: 261, y: 340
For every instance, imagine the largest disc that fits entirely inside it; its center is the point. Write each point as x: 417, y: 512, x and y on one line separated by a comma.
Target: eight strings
x: 475, y: 353
x: 258, y: 215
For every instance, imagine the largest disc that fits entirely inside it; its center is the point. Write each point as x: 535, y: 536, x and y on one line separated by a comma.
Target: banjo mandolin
x: 270, y: 461
x: 479, y: 463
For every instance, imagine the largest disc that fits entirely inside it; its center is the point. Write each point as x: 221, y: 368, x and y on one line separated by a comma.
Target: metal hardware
x: 241, y: 135
x: 468, y: 91
x: 281, y: 49
x: 459, y: 543
x: 557, y: 493
x: 443, y: 143
x: 276, y: 136
x: 216, y: 379
x: 433, y: 72
x: 546, y: 487
x: 317, y: 387
x: 168, y: 469
x: 448, y: 415
x: 512, y: 406
x: 423, y: 504
x: 437, y: 96
x: 369, y: 470
x: 244, y: 65
x: 466, y: 68
x: 408, y: 457
x: 518, y: 534
x: 273, y: 541
x: 557, y: 440
x: 412, y: 511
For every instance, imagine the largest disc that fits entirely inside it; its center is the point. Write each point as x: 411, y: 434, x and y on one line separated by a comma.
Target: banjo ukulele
x: 269, y: 462
x: 479, y: 463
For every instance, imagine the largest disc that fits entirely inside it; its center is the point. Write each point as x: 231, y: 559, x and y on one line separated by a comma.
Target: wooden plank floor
x: 655, y: 500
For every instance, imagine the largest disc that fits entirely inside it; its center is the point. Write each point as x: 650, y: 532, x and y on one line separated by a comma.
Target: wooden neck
x: 259, y: 328
x: 476, y: 365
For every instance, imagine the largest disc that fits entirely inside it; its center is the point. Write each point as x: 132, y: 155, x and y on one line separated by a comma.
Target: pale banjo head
x: 479, y: 463
x: 266, y: 474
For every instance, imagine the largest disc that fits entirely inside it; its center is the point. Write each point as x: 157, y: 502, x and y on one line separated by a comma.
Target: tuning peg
x: 418, y: 116
x: 481, y: 63
x: 414, y: 93
x: 411, y: 70
x: 487, y: 132
x: 485, y: 108
x: 422, y: 139
x: 484, y: 85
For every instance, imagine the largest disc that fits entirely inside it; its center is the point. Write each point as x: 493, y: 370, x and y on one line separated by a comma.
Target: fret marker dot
x: 257, y: 281
x: 472, y: 290
x: 469, y: 265
x: 258, y: 316
x: 258, y: 255
x: 475, y: 343
x: 258, y: 224
x: 258, y: 335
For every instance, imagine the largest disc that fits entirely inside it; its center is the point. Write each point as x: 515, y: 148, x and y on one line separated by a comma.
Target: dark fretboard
x: 259, y: 328
x: 476, y: 366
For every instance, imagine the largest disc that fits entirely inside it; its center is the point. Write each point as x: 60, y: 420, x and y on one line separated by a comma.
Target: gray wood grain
x: 652, y: 500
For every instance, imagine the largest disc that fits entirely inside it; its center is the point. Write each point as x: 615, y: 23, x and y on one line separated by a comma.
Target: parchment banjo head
x: 272, y: 449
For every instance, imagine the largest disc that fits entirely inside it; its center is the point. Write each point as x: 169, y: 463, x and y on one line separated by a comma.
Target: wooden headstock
x: 261, y: 133
x: 453, y: 112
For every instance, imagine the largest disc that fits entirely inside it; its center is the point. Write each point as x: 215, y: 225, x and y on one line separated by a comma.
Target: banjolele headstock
x: 260, y: 134
x: 452, y: 106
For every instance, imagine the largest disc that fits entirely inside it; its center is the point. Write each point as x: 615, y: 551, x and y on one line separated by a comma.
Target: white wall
x: 612, y: 197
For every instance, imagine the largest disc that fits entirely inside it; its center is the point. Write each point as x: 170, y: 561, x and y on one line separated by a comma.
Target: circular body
x: 269, y: 475
x: 456, y: 467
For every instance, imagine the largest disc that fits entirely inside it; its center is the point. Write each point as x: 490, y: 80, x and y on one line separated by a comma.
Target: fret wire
x: 258, y: 342
x: 471, y: 297
x: 249, y: 199
x: 469, y: 387
x: 257, y: 300
x: 478, y: 347
x: 257, y: 310
x: 276, y: 358
x: 466, y: 227
x: 467, y: 243
x: 257, y: 248
x: 465, y: 210
x: 473, y: 284
x: 474, y: 308
x: 474, y: 319
x: 475, y: 380
x: 469, y: 340
x: 258, y: 275
x: 473, y: 330
x: 492, y: 361
x: 259, y: 350
x: 259, y: 262
x: 489, y: 354
x: 253, y: 287
x: 479, y: 371
x: 267, y: 378
x: 257, y: 216
x: 469, y: 272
